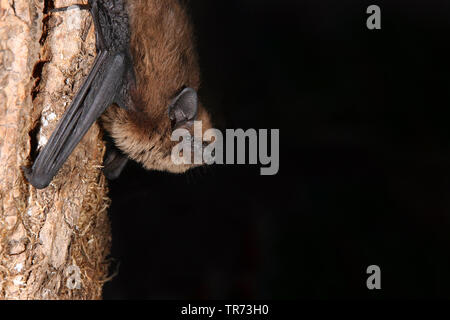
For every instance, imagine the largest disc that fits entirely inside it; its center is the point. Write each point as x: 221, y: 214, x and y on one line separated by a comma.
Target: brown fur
x: 165, y: 60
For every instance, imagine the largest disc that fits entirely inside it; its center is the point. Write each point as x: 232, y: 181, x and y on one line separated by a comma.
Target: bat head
x: 148, y: 138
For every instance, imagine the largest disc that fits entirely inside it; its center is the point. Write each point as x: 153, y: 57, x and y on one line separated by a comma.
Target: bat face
x: 148, y: 142
x: 145, y: 76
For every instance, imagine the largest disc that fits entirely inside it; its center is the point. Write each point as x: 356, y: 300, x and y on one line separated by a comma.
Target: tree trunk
x: 53, y: 242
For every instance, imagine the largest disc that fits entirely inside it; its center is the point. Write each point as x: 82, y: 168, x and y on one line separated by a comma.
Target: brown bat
x: 143, y: 85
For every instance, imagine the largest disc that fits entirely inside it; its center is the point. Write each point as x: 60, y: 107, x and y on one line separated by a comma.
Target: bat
x: 143, y: 84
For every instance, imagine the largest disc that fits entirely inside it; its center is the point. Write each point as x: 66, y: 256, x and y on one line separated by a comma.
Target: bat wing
x: 97, y: 93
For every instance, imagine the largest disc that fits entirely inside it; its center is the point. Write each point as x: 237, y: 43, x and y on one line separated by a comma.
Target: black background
x: 364, y: 160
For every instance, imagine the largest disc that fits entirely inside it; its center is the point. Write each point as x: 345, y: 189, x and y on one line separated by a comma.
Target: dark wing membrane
x: 96, y: 94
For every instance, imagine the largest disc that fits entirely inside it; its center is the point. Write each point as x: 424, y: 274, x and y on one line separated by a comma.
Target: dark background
x: 364, y: 165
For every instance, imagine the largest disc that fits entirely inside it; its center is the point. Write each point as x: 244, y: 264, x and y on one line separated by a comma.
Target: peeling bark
x: 54, y: 242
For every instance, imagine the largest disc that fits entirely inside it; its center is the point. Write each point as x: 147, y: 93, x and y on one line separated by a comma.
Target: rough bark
x: 53, y: 242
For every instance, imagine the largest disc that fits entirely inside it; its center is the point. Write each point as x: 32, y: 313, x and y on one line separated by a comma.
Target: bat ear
x: 184, y: 107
